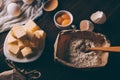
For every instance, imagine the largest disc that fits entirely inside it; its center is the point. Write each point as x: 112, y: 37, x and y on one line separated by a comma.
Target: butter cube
x: 20, y: 44
x: 37, y: 40
x: 40, y: 34
x: 18, y: 31
x: 26, y: 51
x: 13, y: 48
x: 31, y: 26
x: 11, y: 39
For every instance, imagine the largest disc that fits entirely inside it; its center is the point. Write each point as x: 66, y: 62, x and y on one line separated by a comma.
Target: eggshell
x: 50, y: 5
x: 98, y: 17
x: 13, y: 9
x: 86, y: 25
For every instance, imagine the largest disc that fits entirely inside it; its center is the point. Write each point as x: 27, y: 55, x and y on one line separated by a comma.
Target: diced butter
x: 26, y: 42
x: 20, y: 44
x: 31, y: 26
x: 11, y: 39
x: 13, y: 48
x: 26, y: 51
x: 40, y: 34
x: 18, y: 31
x: 37, y: 40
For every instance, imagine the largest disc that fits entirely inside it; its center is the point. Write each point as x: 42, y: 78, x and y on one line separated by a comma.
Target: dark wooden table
x: 81, y: 9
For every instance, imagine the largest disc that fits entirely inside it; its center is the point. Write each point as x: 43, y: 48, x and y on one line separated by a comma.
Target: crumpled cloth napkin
x: 19, y: 74
x: 11, y: 75
x: 28, y: 12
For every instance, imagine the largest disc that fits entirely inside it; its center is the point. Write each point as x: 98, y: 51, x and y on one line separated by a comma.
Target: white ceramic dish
x: 63, y: 26
x: 23, y: 60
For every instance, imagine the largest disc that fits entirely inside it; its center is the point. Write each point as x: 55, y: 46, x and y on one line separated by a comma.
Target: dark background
x: 81, y: 9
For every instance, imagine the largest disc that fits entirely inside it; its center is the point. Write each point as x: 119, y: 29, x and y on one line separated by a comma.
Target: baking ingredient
x: 39, y: 34
x: 65, y: 16
x: 98, y: 17
x: 13, y: 9
x: 12, y: 39
x: 66, y: 21
x: 14, y: 49
x: 26, y: 51
x: 86, y: 25
x: 63, y: 19
x: 59, y: 20
x: 18, y: 31
x: 79, y: 57
x: 71, y: 49
x: 31, y: 27
x: 28, y: 1
x: 50, y: 5
x: 20, y: 43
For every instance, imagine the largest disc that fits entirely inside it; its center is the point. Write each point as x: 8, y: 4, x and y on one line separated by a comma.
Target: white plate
x: 23, y: 60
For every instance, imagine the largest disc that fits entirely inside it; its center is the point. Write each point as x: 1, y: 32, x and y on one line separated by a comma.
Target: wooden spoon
x: 110, y: 49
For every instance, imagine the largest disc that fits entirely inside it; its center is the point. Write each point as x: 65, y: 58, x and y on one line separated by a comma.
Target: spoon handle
x: 110, y: 49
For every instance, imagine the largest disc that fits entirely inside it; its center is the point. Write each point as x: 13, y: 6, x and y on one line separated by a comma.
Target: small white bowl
x: 63, y: 26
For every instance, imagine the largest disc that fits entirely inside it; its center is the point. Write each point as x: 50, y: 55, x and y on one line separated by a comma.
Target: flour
x: 79, y: 57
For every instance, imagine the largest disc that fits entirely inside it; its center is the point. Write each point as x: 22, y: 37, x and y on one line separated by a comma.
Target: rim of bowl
x: 63, y: 11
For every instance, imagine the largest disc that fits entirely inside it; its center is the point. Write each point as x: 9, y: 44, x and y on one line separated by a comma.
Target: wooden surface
x: 81, y: 9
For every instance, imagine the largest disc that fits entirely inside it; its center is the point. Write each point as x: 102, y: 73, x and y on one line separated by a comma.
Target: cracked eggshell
x: 28, y: 1
x: 86, y: 25
x: 98, y: 17
x: 13, y: 9
x: 50, y: 5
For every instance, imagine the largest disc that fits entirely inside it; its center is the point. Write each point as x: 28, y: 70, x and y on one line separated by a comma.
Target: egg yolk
x: 59, y: 20
x: 66, y: 21
x: 63, y: 19
x: 65, y: 16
